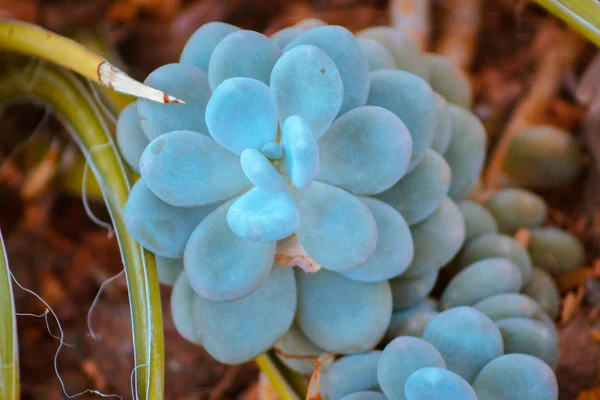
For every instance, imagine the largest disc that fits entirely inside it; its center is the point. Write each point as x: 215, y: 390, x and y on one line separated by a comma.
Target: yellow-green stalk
x: 581, y: 15
x: 9, y: 349
x: 21, y: 37
x: 73, y: 105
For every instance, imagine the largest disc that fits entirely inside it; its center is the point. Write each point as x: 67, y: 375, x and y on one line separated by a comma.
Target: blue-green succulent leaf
x: 200, y: 45
x: 365, y: 151
x: 158, y: 226
x: 336, y: 229
x: 220, y: 265
x: 307, y: 83
x: 246, y: 54
x: 412, y: 100
x: 186, y: 169
x: 262, y: 216
x: 242, y: 114
x: 185, y: 82
x: 342, y: 47
x: 261, y: 172
x: 301, y: 153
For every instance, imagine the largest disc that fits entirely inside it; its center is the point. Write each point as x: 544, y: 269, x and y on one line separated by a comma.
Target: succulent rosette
x: 312, y: 148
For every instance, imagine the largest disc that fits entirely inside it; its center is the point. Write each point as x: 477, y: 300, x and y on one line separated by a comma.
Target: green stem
x: 288, y: 384
x: 73, y: 105
x: 9, y: 349
x: 581, y: 15
x: 21, y: 37
x: 95, y: 42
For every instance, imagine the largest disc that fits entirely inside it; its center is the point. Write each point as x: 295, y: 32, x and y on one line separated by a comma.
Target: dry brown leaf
x: 251, y: 393
x: 522, y: 237
x: 596, y: 267
x: 579, y: 356
x: 38, y: 180
x: 127, y: 10
x: 291, y: 253
x: 265, y: 389
x: 572, y: 279
x: 588, y: 87
x: 24, y: 10
x: 413, y: 18
x: 571, y: 304
x: 595, y: 333
x: 593, y: 394
x: 566, y: 115
x: 588, y: 92
x: 52, y: 290
x: 90, y: 368
x: 123, y: 11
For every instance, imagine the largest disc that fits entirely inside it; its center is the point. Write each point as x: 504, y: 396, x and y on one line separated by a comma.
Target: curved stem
x: 95, y: 41
x: 21, y: 37
x: 581, y: 15
x: 287, y: 384
x: 9, y: 349
x: 73, y: 105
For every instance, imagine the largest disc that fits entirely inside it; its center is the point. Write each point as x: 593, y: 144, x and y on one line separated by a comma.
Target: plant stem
x: 95, y: 42
x: 581, y: 15
x: 21, y: 37
x: 287, y: 384
x: 74, y: 106
x: 9, y: 349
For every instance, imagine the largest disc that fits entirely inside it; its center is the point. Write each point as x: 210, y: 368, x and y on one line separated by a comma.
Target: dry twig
x: 460, y: 31
x: 522, y: 237
x: 571, y: 304
x: 546, y: 83
x: 413, y: 18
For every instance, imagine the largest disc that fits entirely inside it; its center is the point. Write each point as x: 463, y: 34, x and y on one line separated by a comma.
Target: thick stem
x: 9, y: 349
x: 288, y: 385
x: 581, y: 15
x: 97, y: 43
x: 21, y: 37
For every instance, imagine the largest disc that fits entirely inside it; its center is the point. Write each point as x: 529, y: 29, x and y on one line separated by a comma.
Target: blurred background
x: 56, y: 250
